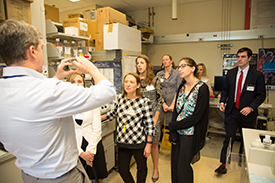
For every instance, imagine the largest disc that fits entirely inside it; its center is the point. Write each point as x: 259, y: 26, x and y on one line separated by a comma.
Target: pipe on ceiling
x: 174, y: 10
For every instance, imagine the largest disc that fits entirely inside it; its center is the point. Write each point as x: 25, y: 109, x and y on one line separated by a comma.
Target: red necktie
x: 239, y: 90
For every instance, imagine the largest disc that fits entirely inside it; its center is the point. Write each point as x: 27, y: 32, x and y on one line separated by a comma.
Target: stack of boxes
x: 118, y: 36
x: 76, y: 26
x: 106, y: 15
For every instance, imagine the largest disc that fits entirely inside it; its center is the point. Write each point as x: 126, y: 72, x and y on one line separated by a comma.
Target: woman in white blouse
x: 88, y: 137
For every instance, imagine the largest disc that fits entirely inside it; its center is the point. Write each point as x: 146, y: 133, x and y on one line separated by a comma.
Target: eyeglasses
x: 183, y: 66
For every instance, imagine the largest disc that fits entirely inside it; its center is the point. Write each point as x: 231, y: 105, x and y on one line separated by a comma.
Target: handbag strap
x: 189, y: 95
x: 164, y: 120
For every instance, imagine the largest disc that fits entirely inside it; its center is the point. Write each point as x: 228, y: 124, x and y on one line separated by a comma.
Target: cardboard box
x: 108, y: 15
x: 19, y: 10
x: 71, y: 30
x: 99, y: 42
x: 90, y: 43
x: 92, y: 29
x: 75, y: 15
x: 51, y: 13
x: 2, y: 10
x: 90, y: 15
x: 120, y: 36
x: 80, y: 23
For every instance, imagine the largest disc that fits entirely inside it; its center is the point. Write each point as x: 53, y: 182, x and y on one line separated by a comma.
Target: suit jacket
x: 249, y: 97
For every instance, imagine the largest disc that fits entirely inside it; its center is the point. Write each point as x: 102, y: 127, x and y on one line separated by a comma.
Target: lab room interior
x: 189, y: 87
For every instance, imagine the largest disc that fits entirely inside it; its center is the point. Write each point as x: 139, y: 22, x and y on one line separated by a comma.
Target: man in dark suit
x: 243, y: 92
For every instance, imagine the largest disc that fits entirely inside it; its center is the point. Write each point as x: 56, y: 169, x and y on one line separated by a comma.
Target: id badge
x: 131, y: 112
x: 124, y: 128
x: 150, y: 87
x: 80, y: 116
x: 250, y: 88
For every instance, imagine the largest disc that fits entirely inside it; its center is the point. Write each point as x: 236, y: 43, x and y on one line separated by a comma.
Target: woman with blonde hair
x: 201, y: 74
x: 151, y: 88
x: 88, y: 137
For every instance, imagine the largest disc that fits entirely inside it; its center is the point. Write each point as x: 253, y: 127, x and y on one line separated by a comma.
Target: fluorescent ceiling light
x: 74, y: 0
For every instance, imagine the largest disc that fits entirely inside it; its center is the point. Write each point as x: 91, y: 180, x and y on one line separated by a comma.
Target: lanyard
x: 14, y: 76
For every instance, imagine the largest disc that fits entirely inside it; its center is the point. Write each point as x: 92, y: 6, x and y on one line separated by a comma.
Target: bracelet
x: 149, y: 142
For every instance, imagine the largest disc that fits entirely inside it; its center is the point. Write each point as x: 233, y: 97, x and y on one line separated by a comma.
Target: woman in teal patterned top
x: 151, y: 88
x: 189, y: 123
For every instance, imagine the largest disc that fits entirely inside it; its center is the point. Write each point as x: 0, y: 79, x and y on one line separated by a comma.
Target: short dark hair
x: 247, y: 50
x: 15, y: 38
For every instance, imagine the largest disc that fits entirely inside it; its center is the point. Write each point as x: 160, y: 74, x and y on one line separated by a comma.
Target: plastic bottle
x: 257, y: 143
x: 80, y: 53
x: 67, y: 49
x: 59, y: 47
x: 74, y: 49
x: 267, y: 141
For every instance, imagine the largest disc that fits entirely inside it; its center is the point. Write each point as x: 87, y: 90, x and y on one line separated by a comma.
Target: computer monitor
x: 218, y: 83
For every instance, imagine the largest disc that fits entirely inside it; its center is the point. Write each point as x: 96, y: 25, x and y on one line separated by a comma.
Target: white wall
x: 199, y: 17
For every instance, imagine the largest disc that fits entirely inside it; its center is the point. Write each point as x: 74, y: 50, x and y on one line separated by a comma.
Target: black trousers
x: 232, y: 122
x: 124, y: 158
x: 181, y: 156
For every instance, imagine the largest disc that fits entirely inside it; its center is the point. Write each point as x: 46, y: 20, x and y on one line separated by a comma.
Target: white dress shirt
x: 36, y: 123
x: 90, y: 129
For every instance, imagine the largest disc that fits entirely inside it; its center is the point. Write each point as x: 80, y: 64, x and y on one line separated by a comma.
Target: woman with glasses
x: 190, y: 118
x: 170, y: 81
x: 151, y: 89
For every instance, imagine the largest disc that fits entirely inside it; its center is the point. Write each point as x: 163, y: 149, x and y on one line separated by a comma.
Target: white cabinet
x: 108, y: 128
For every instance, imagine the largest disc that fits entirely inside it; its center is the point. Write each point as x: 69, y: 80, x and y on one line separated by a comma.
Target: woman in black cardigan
x: 190, y: 119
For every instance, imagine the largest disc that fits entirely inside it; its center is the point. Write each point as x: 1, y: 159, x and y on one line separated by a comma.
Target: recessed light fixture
x: 74, y: 0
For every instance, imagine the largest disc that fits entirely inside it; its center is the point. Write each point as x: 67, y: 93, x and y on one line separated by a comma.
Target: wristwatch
x: 149, y: 142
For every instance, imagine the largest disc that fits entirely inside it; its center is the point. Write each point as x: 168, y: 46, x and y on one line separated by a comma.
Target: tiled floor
x: 203, y: 170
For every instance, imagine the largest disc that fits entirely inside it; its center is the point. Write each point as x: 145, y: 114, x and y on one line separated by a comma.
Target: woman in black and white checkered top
x: 135, y: 128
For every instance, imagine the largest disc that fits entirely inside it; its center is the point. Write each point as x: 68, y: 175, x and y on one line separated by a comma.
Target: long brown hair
x: 71, y: 77
x: 150, y: 74
x: 138, y: 80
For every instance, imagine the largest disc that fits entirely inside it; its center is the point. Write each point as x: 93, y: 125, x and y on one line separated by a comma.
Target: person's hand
x: 171, y: 107
x: 147, y: 150
x: 103, y: 117
x: 88, y: 157
x: 84, y: 66
x: 61, y: 73
x: 165, y: 107
x: 222, y: 108
x: 245, y: 111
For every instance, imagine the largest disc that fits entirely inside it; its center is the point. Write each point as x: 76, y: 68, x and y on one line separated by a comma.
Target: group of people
x: 53, y: 128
